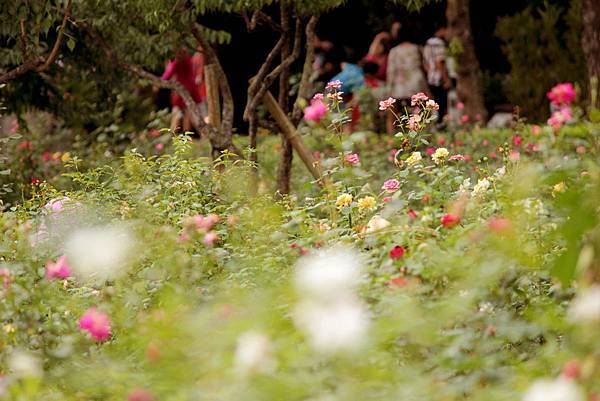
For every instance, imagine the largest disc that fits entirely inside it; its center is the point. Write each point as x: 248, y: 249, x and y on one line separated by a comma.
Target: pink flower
x: 315, y: 111
x: 386, y: 104
x: 210, y: 238
x: 562, y: 94
x: 499, y: 224
x: 139, y: 394
x: 464, y: 119
x: 559, y: 118
x: 5, y: 274
x: 159, y: 146
x: 514, y: 155
x: 485, y: 142
x: 419, y: 97
x: 352, y: 158
x: 478, y: 117
x: 450, y: 220
x: 517, y: 140
x: 201, y: 222
x: 154, y: 132
x: 58, y: 269
x: 96, y: 323
x: 317, y: 97
x: 56, y: 205
x: 337, y: 84
x: 391, y: 186
x: 536, y: 130
x: 571, y: 369
x: 414, y: 122
x: 397, y: 252
x: 460, y: 105
x: 456, y: 158
x: 412, y: 214
x: 397, y: 282
x: 430, y: 151
x: 387, y: 199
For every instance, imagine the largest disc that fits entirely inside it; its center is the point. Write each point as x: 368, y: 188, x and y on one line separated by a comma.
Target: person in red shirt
x: 182, y: 69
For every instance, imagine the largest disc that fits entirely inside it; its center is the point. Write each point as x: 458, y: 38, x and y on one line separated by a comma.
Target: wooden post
x: 289, y: 131
x: 212, y: 94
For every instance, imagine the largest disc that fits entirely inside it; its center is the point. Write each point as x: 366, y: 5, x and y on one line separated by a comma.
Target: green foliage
x: 541, y: 54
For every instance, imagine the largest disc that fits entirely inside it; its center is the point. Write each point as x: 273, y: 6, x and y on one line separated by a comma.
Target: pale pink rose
x: 96, y: 323
x: 201, y: 222
x: 318, y: 96
x: 514, y: 155
x: 559, y: 118
x: 431, y: 104
x: 456, y: 158
x: 56, y: 205
x: 419, y: 97
x: 386, y: 104
x: 337, y: 84
x: 391, y: 186
x: 352, y: 158
x: 58, y: 269
x: 315, y: 111
x: 210, y: 238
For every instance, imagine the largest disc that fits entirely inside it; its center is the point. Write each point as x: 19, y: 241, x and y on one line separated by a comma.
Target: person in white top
x: 434, y: 62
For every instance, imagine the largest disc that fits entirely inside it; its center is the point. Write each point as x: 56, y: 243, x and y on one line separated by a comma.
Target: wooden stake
x: 212, y: 94
x: 289, y: 131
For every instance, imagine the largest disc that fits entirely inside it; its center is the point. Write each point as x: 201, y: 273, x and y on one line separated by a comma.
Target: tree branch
x: 303, y: 89
x: 39, y: 63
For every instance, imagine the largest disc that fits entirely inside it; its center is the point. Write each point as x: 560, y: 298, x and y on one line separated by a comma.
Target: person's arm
x: 169, y: 71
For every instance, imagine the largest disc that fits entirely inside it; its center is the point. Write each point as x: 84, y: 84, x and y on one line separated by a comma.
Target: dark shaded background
x: 356, y: 24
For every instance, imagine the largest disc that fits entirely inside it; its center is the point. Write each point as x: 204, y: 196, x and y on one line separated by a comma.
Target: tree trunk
x: 284, y: 168
x: 590, y: 41
x: 470, y: 81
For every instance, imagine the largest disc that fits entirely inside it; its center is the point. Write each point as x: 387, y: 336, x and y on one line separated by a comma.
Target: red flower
x: 397, y: 252
x: 412, y: 214
x: 35, y: 181
x: 397, y: 282
x: 450, y: 220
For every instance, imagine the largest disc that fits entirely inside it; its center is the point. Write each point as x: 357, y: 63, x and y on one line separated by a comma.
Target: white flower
x: 463, y: 189
x: 377, y: 223
x: 561, y: 389
x: 500, y: 172
x: 253, y: 353
x: 100, y: 253
x: 585, y: 308
x: 338, y: 325
x: 24, y: 364
x: 329, y: 272
x: 481, y: 186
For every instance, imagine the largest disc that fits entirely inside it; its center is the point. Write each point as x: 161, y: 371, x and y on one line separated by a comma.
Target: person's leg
x: 175, y: 118
x: 440, y: 95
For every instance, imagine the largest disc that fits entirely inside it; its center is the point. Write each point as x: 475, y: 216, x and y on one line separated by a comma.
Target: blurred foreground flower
x: 450, y: 220
x: 100, y: 253
x: 96, y: 323
x: 330, y: 314
x: 561, y: 389
x: 253, y: 353
x: 585, y: 308
x: 23, y: 364
x: 58, y: 269
x: 377, y: 223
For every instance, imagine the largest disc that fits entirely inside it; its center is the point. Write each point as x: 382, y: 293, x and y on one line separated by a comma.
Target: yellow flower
x: 439, y: 155
x: 343, y: 200
x: 559, y: 188
x: 414, y: 158
x: 368, y: 202
x: 65, y: 157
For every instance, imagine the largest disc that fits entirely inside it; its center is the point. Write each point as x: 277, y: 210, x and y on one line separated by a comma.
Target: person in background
x: 434, y: 62
x: 198, y: 64
x: 405, y: 75
x: 182, y: 70
x: 371, y: 72
x: 324, y: 65
x: 378, y: 53
x: 351, y: 74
